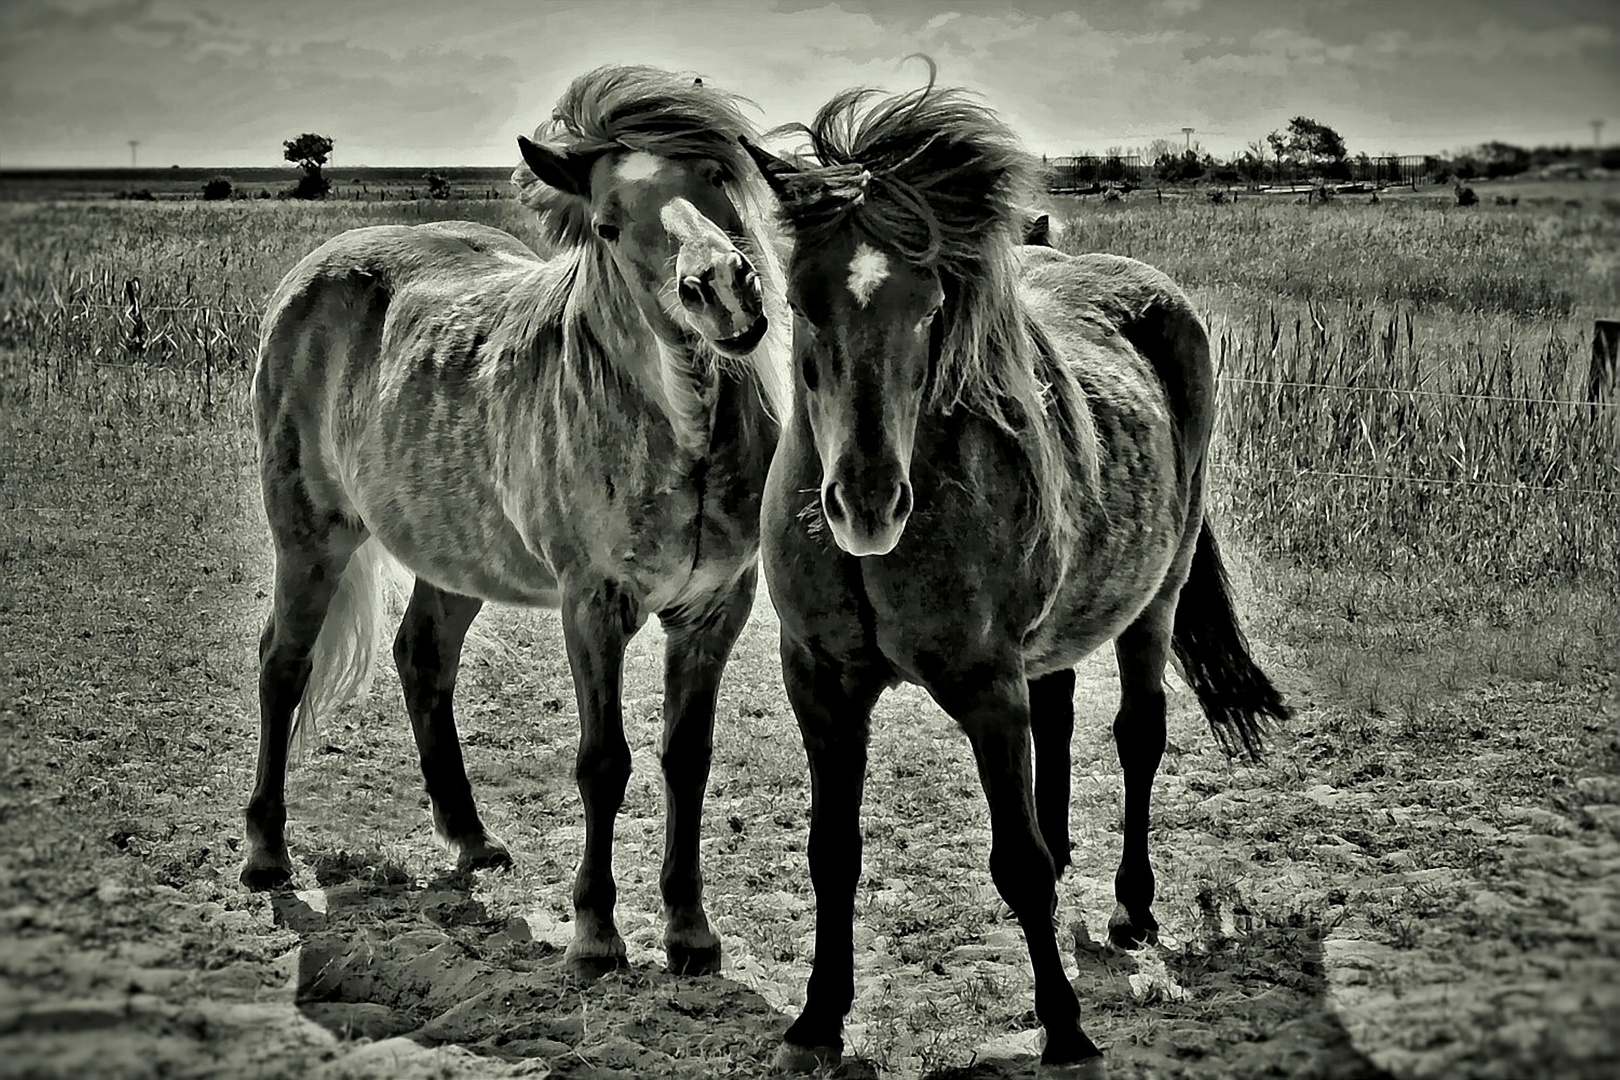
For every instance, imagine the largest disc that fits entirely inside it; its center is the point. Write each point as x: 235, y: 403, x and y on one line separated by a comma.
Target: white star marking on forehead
x: 639, y: 165
x: 867, y: 270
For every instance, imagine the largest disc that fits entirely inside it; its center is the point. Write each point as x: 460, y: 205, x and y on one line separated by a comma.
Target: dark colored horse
x: 1004, y: 454
x: 589, y: 432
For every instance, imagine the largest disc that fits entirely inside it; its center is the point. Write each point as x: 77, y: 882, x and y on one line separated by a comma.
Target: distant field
x: 364, y: 183
x: 1423, y: 880
x: 376, y: 184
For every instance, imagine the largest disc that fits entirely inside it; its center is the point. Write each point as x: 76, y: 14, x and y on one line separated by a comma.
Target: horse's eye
x: 607, y: 231
x: 927, y: 323
x: 720, y: 177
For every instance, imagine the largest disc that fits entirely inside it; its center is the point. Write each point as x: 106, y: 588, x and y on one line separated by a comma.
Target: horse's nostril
x: 753, y: 283
x: 900, y: 506
x: 690, y: 291
x: 832, y: 503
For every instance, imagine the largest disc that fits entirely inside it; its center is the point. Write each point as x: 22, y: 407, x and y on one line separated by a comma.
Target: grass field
x: 1423, y: 880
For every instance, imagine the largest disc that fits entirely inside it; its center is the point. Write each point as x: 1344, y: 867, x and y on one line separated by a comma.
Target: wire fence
x: 1415, y: 392
x: 1224, y: 380
x: 1399, y: 478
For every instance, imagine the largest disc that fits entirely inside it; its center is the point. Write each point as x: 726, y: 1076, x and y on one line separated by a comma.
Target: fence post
x: 1600, y: 379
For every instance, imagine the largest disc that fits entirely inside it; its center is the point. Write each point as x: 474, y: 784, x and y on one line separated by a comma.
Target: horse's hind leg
x: 427, y: 652
x: 1051, y: 718
x: 694, y: 659
x: 1139, y: 735
x: 598, y: 621
x: 307, y: 578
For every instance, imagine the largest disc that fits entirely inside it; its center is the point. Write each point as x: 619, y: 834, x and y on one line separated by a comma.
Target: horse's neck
x: 602, y: 324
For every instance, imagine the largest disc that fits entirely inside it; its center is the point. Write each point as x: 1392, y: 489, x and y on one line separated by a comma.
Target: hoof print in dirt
x: 688, y: 960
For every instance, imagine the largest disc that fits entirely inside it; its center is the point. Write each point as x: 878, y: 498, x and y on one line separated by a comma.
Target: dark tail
x: 1234, y: 693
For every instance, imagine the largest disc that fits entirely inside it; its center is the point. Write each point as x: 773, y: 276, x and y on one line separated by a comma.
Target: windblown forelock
x: 930, y: 174
x: 632, y: 108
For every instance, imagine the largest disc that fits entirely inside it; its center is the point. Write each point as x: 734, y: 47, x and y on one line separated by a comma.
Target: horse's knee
x: 603, y: 771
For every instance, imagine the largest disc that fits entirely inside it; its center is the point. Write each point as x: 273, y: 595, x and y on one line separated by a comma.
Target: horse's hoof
x: 693, y: 959
x: 1125, y: 933
x: 792, y: 1058
x: 264, y: 872
x: 486, y: 854
x: 589, y: 963
x: 1072, y: 1055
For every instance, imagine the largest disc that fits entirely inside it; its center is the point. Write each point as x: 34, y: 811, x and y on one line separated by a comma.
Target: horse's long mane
x: 937, y: 177
x: 659, y: 112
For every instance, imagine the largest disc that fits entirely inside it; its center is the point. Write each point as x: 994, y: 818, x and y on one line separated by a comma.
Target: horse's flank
x: 1113, y: 328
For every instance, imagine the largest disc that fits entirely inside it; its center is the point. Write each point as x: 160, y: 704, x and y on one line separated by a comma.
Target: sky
x: 453, y: 82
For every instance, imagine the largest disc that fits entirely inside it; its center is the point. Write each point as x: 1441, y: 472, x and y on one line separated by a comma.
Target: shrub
x: 218, y: 188
x: 310, y: 186
x: 1466, y: 196
x: 438, y: 186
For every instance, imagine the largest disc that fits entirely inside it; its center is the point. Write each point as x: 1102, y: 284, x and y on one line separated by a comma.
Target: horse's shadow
x: 384, y: 955
x: 1247, y: 997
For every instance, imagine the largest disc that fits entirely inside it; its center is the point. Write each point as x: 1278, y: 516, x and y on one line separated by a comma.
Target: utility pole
x: 133, y: 143
x: 1597, y: 134
x: 1187, y: 131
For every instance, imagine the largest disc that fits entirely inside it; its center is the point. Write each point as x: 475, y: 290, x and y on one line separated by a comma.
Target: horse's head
x: 866, y: 334
x: 670, y: 227
x: 904, y: 226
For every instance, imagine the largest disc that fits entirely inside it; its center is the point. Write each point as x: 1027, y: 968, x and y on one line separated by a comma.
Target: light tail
x: 345, y: 654
x: 1213, y: 654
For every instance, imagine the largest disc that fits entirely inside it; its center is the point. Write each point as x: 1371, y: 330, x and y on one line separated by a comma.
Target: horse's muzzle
x: 867, y: 514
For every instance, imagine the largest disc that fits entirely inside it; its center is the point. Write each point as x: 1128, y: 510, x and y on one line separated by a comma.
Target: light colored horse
x: 589, y: 432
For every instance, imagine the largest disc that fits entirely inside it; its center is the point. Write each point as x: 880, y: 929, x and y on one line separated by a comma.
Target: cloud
x: 419, y: 82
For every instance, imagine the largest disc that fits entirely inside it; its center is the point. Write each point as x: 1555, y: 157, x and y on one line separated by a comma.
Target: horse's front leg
x: 993, y: 708
x: 598, y: 622
x: 698, y: 646
x: 833, y: 702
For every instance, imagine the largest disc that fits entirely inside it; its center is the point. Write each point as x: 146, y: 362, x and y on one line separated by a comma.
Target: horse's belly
x: 463, y: 549
x: 1082, y: 624
x: 1094, y: 608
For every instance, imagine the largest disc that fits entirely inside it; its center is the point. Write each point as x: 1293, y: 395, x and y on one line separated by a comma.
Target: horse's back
x: 323, y: 337
x: 372, y: 387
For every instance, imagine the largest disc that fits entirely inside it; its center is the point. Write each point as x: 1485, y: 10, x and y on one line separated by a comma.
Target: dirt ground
x: 1434, y: 894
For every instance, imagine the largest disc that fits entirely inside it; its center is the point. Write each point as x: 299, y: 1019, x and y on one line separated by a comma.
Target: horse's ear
x: 565, y: 170
x: 775, y: 169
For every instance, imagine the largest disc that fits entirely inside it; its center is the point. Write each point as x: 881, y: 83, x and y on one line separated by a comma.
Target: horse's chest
x: 625, y: 502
